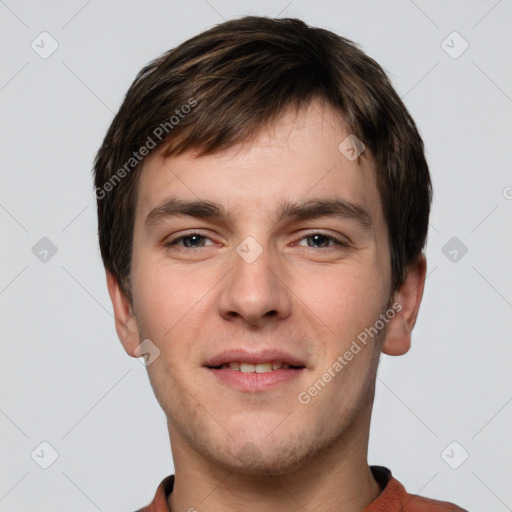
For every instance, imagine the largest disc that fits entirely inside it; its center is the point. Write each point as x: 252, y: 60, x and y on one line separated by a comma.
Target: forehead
x: 296, y: 158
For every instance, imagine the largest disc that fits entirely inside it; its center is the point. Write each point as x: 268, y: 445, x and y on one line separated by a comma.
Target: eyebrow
x: 311, y: 209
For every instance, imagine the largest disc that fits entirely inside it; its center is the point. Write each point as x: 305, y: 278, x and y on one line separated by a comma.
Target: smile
x: 256, y: 367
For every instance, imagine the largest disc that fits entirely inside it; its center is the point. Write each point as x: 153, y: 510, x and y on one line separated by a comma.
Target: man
x: 263, y: 204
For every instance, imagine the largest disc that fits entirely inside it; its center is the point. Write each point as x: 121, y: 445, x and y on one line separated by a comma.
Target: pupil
x: 189, y: 239
x: 316, y: 237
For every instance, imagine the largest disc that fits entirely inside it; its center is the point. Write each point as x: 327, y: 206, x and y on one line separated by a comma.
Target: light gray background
x: 65, y: 378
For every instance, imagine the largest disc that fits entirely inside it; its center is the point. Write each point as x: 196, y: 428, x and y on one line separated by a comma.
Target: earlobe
x: 125, y: 321
x: 398, y: 333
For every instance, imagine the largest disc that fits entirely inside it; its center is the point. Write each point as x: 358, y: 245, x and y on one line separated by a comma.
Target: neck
x: 336, y: 478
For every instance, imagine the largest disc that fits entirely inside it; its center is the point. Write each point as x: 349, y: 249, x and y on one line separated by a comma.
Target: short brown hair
x: 235, y: 79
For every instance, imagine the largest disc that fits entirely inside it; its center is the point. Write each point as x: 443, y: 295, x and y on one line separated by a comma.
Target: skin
x: 265, y: 450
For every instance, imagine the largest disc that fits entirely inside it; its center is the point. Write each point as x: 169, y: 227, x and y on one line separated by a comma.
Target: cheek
x: 345, y: 300
x: 171, y: 306
x: 163, y: 295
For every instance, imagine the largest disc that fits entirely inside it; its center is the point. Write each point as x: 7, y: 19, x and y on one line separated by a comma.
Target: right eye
x: 190, y: 241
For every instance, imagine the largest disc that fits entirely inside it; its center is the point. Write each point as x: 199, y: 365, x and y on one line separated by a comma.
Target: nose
x: 255, y: 292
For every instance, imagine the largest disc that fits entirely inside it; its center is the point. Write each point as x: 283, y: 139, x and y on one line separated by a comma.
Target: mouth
x: 259, y: 371
x: 270, y: 366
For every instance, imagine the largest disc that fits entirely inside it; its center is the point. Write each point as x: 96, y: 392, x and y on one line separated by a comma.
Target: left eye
x: 321, y: 239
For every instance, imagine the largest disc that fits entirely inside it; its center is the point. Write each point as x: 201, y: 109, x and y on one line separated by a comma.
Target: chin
x: 255, y: 460
x: 267, y: 454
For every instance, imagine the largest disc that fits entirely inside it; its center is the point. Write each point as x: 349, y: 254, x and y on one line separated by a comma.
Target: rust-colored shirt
x: 393, y: 498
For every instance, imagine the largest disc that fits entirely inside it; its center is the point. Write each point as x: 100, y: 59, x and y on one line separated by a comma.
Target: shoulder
x: 394, y: 497
x: 415, y: 503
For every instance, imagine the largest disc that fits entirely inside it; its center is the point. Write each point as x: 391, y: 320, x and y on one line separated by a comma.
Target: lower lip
x: 253, y: 381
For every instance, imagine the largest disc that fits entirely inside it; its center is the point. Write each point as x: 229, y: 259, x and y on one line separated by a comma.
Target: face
x: 285, y: 268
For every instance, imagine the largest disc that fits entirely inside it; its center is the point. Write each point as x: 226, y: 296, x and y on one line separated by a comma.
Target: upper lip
x: 245, y: 356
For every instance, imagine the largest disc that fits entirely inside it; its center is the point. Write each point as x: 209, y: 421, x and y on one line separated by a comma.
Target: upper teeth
x: 258, y: 368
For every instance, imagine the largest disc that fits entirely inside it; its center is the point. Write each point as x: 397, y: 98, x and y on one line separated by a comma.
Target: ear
x: 126, y: 324
x: 398, y: 333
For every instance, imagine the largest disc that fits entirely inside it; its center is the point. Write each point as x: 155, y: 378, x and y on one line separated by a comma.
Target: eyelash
x: 174, y: 243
